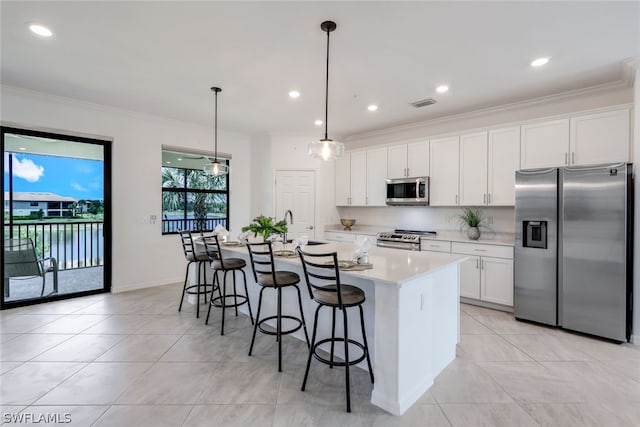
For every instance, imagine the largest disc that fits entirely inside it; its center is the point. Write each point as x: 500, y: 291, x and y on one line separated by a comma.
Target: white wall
x: 500, y: 219
x: 142, y: 256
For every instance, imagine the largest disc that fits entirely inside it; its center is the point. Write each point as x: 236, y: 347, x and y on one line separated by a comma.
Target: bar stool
x: 226, y: 265
x: 191, y: 255
x: 265, y: 275
x: 323, y: 281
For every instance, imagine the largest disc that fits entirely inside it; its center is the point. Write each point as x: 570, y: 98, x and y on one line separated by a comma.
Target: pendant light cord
x: 215, y: 128
x: 326, y: 93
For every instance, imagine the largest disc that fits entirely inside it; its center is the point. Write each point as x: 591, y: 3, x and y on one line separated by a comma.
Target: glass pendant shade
x: 216, y: 168
x: 326, y: 149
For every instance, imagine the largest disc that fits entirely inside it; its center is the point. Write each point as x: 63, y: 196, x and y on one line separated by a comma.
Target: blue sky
x: 65, y: 176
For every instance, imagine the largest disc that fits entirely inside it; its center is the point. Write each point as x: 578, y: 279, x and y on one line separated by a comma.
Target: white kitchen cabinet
x: 358, y: 178
x: 444, y: 167
x: 470, y: 278
x: 343, y: 180
x: 336, y: 236
x: 544, y: 144
x: 410, y: 160
x: 496, y: 280
x: 488, y: 274
x: 376, y: 191
x: 599, y: 138
x: 473, y: 169
x: 503, y: 157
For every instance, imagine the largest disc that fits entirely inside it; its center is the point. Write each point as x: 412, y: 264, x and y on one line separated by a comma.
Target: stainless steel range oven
x: 403, y: 239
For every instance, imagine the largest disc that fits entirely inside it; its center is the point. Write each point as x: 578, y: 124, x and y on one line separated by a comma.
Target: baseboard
x: 404, y: 403
x: 143, y: 285
x: 635, y: 340
x: 486, y: 304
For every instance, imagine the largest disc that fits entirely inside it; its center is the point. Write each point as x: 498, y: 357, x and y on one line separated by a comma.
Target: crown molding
x: 619, y: 84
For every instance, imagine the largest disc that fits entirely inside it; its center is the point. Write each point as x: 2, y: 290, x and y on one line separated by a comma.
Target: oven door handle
x: 399, y: 245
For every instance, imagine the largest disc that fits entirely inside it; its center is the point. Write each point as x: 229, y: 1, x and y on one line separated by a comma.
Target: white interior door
x: 295, y: 190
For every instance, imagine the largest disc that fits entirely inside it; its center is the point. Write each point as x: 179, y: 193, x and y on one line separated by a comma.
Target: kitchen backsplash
x: 500, y: 219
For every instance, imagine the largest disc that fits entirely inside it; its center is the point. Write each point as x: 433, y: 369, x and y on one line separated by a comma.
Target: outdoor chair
x: 21, y: 262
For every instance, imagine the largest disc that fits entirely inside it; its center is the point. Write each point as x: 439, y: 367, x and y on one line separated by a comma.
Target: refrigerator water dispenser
x: 534, y: 234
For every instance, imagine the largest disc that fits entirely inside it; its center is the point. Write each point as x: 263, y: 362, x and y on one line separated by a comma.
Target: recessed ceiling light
x: 318, y: 122
x: 168, y: 163
x: 372, y: 107
x: 442, y: 89
x: 40, y: 30
x: 294, y: 94
x: 22, y: 149
x: 179, y: 159
x: 539, y: 62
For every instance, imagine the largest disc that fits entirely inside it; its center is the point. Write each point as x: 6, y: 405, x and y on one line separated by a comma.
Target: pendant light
x: 216, y: 168
x: 326, y: 149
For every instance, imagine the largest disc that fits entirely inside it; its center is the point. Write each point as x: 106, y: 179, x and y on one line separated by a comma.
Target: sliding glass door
x: 57, y: 216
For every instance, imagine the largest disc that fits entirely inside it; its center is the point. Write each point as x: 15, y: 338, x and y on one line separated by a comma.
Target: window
x: 33, y: 204
x: 191, y: 199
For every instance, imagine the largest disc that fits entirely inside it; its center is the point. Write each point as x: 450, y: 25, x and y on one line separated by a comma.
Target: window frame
x: 185, y: 190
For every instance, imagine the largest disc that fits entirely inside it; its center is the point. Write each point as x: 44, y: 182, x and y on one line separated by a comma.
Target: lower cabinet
x: 487, y: 275
x: 337, y: 236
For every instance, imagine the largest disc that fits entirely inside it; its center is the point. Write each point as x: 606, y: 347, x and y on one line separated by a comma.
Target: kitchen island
x: 411, y: 315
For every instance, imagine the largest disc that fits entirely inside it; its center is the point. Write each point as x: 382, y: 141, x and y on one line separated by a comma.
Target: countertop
x: 392, y: 266
x: 486, y: 237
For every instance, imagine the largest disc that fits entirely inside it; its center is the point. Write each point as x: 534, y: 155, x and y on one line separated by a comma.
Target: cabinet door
x: 473, y: 169
x: 600, y: 138
x: 496, y: 277
x: 418, y: 159
x: 359, y: 178
x: 503, y: 162
x: 545, y: 144
x: 376, y: 176
x: 343, y: 180
x: 336, y: 236
x: 470, y: 278
x: 397, y: 161
x: 444, y: 166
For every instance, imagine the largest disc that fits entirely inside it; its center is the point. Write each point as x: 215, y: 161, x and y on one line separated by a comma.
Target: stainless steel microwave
x: 408, y: 191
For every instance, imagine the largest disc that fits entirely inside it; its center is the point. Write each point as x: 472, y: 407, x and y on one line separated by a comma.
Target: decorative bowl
x: 347, y: 223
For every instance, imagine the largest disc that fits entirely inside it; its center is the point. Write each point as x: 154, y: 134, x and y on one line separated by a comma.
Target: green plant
x: 266, y: 226
x: 472, y: 217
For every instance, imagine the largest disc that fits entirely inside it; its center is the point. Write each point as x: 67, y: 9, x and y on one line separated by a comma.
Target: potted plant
x: 266, y: 226
x: 473, y: 219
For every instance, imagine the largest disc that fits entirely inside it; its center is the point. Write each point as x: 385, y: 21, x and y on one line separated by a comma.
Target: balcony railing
x: 175, y: 225
x: 73, y: 244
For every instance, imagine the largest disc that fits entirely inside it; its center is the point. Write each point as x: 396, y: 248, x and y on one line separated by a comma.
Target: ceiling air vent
x: 423, y: 102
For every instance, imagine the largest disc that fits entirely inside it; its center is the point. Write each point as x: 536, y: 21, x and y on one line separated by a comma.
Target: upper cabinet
x: 360, y: 178
x: 473, y: 169
x: 545, y: 144
x: 581, y: 140
x: 444, y: 166
x: 503, y: 157
x: 599, y: 138
x: 408, y: 160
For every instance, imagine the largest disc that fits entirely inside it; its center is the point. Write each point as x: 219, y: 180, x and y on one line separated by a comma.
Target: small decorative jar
x: 473, y: 233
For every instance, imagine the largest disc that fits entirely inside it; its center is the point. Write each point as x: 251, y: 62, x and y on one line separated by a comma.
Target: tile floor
x: 131, y: 359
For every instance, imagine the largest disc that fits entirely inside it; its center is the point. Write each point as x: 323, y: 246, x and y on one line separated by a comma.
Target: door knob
x: 310, y: 227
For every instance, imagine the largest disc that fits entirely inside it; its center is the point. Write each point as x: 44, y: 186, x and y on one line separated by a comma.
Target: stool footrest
x: 204, y: 289
x: 338, y: 363
x: 284, y: 332
x: 217, y: 300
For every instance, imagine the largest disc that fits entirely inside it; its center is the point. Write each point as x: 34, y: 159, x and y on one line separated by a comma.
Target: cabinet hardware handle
x: 489, y: 198
x: 484, y: 198
x: 434, y: 246
x: 480, y: 250
x: 566, y: 158
x: 481, y: 264
x: 573, y: 157
x: 477, y: 263
x: 366, y: 200
x: 456, y: 199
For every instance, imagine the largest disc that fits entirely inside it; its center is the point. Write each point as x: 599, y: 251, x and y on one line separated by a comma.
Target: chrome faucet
x: 288, y: 212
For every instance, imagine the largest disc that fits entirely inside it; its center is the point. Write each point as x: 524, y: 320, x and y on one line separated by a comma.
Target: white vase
x: 473, y: 233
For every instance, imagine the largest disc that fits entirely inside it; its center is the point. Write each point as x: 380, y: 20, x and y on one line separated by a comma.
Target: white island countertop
x: 392, y: 266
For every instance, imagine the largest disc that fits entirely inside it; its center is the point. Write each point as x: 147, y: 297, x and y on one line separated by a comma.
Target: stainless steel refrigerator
x: 572, y: 261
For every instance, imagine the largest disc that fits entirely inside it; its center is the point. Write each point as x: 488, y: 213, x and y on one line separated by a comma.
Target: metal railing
x: 175, y: 225
x: 73, y: 244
